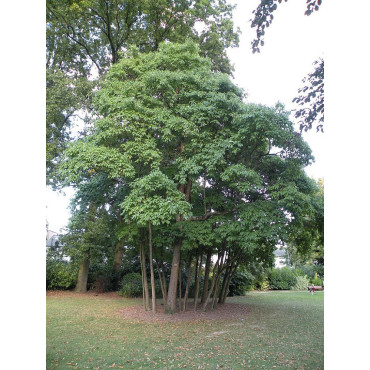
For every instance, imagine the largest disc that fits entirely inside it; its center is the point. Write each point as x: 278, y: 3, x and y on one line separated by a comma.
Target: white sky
x: 292, y: 43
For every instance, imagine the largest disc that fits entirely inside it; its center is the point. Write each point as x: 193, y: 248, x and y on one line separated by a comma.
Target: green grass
x: 283, y: 330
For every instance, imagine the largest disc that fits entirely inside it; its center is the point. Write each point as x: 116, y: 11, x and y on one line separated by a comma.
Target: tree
x: 84, y: 38
x: 311, y: 95
x: 170, y: 128
x: 154, y: 200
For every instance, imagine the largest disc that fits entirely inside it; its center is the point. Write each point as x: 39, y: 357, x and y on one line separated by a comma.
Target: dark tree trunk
x: 162, y: 283
x: 190, y: 277
x: 225, y: 292
x: 220, y: 266
x: 151, y: 268
x: 225, y: 286
x: 206, y: 276
x: 196, y: 293
x: 83, y: 272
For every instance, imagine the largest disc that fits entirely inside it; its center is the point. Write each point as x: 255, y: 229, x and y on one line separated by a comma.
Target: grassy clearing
x: 283, y: 330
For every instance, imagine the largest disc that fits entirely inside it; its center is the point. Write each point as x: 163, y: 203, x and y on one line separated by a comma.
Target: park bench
x: 317, y: 287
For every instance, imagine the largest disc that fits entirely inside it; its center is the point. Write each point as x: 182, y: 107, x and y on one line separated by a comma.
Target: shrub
x: 60, y: 275
x: 282, y: 279
x: 316, y: 280
x: 100, y: 278
x: 240, y: 283
x: 131, y: 285
x: 302, y: 283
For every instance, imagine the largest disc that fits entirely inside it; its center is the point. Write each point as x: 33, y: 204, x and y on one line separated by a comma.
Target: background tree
x: 311, y: 95
x: 84, y: 38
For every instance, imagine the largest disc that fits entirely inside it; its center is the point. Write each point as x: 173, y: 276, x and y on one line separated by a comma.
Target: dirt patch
x: 71, y: 294
x: 226, y: 311
x: 136, y: 313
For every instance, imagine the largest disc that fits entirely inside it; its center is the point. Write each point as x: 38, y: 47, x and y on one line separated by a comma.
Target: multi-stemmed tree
x: 180, y: 138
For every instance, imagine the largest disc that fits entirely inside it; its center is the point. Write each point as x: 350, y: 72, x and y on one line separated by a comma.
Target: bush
x: 101, y: 278
x: 302, y: 283
x: 240, y: 283
x: 60, y: 275
x: 316, y: 280
x: 282, y: 279
x: 131, y: 285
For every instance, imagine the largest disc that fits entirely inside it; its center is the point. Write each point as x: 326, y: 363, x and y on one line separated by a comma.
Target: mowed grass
x: 282, y: 330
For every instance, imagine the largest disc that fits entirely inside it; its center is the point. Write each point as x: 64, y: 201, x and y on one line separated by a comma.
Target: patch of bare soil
x: 136, y: 313
x: 226, y: 311
x: 90, y: 293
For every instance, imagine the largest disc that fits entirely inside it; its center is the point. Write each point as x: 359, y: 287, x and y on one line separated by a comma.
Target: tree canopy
x: 225, y: 176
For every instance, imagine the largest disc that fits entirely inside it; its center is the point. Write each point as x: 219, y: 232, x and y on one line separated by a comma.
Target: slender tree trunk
x: 216, y: 291
x: 206, y: 276
x: 142, y: 277
x: 224, y: 284
x: 231, y: 275
x: 145, y: 278
x: 172, y: 287
x: 161, y: 283
x: 164, y: 285
x: 204, y: 306
x: 180, y: 288
x: 196, y: 293
x: 215, y: 280
x: 151, y: 268
x: 81, y: 286
x: 190, y: 277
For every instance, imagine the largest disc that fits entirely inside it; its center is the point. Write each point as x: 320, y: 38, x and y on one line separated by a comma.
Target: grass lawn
x: 282, y: 330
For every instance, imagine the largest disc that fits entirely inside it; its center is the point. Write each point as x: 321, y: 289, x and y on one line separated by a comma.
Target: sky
x: 292, y: 43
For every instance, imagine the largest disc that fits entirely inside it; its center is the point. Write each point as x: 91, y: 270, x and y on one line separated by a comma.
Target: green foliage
x: 311, y: 99
x: 154, y: 198
x: 131, y: 285
x: 302, y: 283
x: 60, y: 274
x: 316, y: 280
x: 282, y: 279
x: 240, y: 283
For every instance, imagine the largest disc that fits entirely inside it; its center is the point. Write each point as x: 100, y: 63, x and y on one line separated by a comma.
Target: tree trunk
x: 145, y: 278
x: 81, y: 286
x: 196, y: 293
x: 225, y: 284
x: 162, y: 284
x: 190, y: 277
x: 215, y: 280
x: 206, y: 276
x: 118, y: 254
x: 142, y: 277
x: 225, y: 287
x: 151, y: 268
x: 204, y: 306
x: 172, y: 287
x: 180, y: 287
